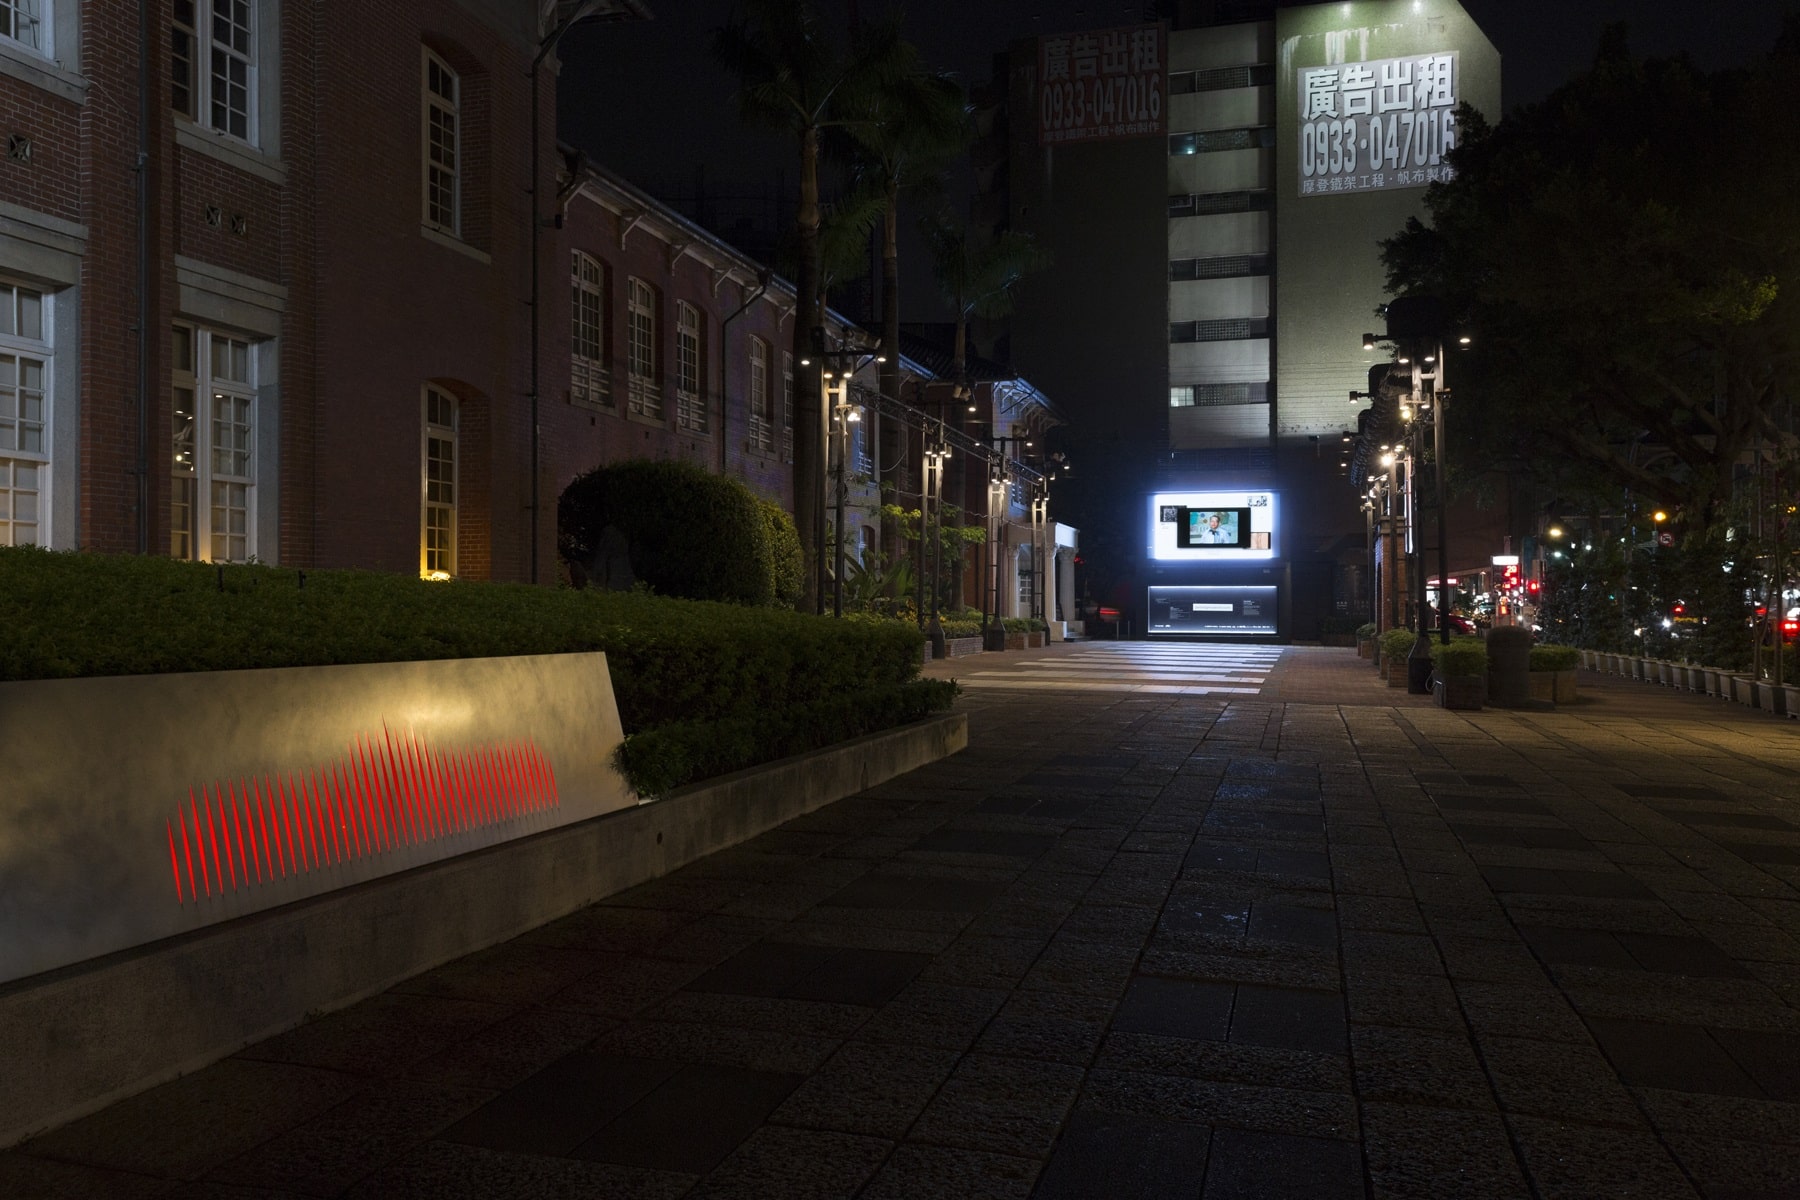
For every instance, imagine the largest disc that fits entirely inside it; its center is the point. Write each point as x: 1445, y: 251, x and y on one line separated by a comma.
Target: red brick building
x: 317, y: 325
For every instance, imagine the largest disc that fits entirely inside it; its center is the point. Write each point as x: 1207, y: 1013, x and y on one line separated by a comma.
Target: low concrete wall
x: 76, y: 1039
x: 139, y: 808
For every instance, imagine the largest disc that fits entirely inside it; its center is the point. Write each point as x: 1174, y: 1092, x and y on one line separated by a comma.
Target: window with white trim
x: 690, y: 398
x: 437, y: 485
x: 212, y: 65
x: 26, y: 23
x: 212, y: 493
x: 762, y: 432
x: 25, y: 362
x: 590, y: 383
x: 440, y: 146
x: 787, y: 405
x: 644, y: 391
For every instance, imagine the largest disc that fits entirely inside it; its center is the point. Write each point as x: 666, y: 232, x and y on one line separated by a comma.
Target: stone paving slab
x: 1322, y: 941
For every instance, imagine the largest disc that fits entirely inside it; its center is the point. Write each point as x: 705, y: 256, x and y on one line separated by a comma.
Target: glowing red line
x: 262, y: 804
x: 409, y: 821
x: 440, y: 763
x: 365, y: 805
x: 534, y: 779
x: 333, y: 814
x: 309, y: 857
x: 212, y: 836
x: 550, y: 771
x: 422, y: 768
x: 174, y: 866
x: 186, y: 851
x: 288, y: 821
x: 483, y: 803
x: 434, y: 785
x: 410, y: 750
x: 238, y: 813
x: 319, y: 847
x: 377, y: 799
x: 410, y: 782
x: 343, y: 834
x: 509, y: 756
x: 350, y: 808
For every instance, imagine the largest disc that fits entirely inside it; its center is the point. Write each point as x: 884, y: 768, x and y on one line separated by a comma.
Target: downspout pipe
x: 763, y: 278
x: 581, y: 12
x: 145, y: 111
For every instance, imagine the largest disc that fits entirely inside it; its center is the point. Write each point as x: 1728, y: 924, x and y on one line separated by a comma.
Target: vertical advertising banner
x: 1376, y: 126
x: 1103, y: 85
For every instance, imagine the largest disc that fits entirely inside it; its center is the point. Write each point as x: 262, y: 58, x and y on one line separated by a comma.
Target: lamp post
x: 840, y: 366
x: 931, y: 509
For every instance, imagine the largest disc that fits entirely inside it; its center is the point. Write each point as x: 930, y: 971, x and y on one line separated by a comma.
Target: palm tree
x: 903, y: 137
x: 794, y: 77
x: 976, y: 278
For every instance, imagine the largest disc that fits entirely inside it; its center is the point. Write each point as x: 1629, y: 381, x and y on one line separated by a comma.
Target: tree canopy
x: 1624, y: 256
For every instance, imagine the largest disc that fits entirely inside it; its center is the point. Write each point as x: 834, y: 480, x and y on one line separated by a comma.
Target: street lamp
x: 840, y: 367
x: 937, y: 452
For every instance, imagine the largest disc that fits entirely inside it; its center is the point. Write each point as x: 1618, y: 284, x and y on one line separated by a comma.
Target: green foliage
x: 1366, y: 631
x: 785, y: 559
x: 1554, y: 658
x: 960, y: 627
x: 689, y: 533
x: 672, y: 661
x: 1463, y: 656
x: 1397, y: 643
x: 667, y: 757
x: 1618, y: 251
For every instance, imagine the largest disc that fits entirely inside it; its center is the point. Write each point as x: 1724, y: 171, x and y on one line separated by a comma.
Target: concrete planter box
x: 1771, y: 698
x: 87, y: 1035
x: 1793, y: 699
x: 1394, y: 671
x: 1588, y: 659
x: 1557, y: 687
x: 1365, y: 648
x: 1743, y: 690
x: 1462, y: 692
x: 960, y: 647
x: 1636, y: 668
x: 1034, y: 640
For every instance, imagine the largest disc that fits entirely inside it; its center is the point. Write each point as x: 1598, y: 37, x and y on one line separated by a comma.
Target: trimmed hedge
x: 1550, y: 657
x: 672, y: 661
x: 688, y: 532
x: 1463, y: 656
x: 1397, y: 643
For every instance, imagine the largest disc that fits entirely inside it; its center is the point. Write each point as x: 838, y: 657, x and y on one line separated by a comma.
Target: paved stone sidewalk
x: 1125, y: 945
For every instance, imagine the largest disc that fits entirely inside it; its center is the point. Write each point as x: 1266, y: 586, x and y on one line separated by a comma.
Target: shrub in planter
x: 1548, y: 657
x: 1553, y: 673
x: 672, y: 662
x: 687, y: 532
x: 1461, y: 670
x: 1396, y: 646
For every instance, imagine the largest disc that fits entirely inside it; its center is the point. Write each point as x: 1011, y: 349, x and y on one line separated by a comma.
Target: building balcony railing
x: 590, y: 384
x: 645, y: 396
x: 690, y: 412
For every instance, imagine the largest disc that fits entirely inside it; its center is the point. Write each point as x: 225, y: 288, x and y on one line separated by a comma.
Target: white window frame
x: 640, y: 367
x: 1181, y: 395
x: 590, y: 382
x: 439, y: 497
x: 222, y: 425
x: 690, y: 399
x: 433, y: 174
x: 39, y: 16
x: 762, y: 433
x: 787, y: 405
x: 210, y: 101
x: 26, y: 472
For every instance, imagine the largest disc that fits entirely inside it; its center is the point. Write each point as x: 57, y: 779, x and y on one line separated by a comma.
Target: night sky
x: 646, y: 100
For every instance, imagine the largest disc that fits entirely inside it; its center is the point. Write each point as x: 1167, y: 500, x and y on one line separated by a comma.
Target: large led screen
x: 1212, y: 611
x: 1212, y: 526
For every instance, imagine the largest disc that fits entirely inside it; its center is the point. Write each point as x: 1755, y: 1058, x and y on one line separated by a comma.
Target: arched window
x: 762, y: 428
x: 590, y: 382
x: 437, y: 485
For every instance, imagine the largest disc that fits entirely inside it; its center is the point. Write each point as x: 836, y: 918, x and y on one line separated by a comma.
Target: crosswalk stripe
x: 1195, y: 669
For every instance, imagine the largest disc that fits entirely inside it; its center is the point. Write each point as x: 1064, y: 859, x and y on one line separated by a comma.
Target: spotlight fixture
x: 1368, y: 341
